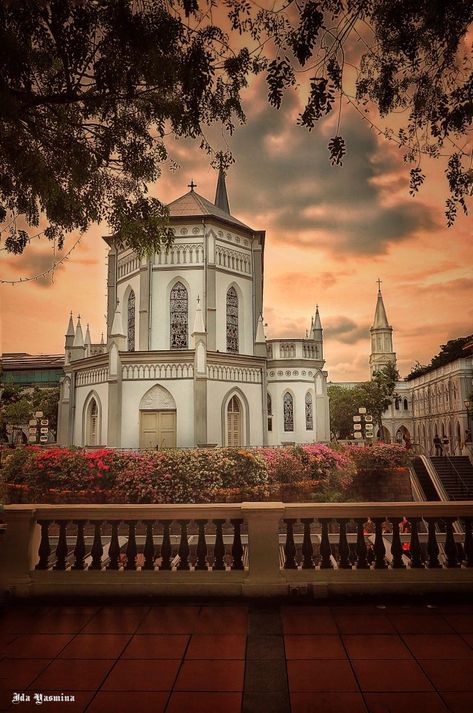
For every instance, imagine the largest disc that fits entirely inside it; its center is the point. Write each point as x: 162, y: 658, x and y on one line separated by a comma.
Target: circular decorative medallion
x: 184, y: 231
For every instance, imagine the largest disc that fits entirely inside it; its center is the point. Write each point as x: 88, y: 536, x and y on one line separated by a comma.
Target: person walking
x: 445, y: 444
x: 438, y: 445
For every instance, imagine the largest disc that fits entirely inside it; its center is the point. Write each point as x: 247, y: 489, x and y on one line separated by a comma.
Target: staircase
x: 456, y: 474
x: 424, y: 480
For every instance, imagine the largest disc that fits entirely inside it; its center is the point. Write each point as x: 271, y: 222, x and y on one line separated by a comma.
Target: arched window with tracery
x: 179, y: 317
x: 92, y: 424
x: 232, y: 320
x: 234, y: 424
x: 131, y: 312
x: 288, y: 407
x: 270, y: 412
x: 309, y: 418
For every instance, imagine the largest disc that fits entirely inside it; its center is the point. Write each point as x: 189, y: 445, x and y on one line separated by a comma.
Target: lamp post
x: 467, y: 403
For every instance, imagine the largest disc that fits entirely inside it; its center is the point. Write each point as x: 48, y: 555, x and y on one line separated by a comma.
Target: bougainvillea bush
x: 306, y: 472
x: 378, y: 456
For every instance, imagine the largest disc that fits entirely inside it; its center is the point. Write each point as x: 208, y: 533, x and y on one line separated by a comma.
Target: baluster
x: 416, y: 555
x: 379, y: 548
x: 361, y: 549
x: 343, y: 549
x: 44, y: 549
x: 290, y: 548
x: 148, y: 550
x: 307, y: 548
x: 396, y: 545
x: 201, y: 562
x: 79, y: 549
x: 114, y: 548
x: 432, y: 546
x: 237, y: 547
x: 468, y: 545
x: 166, y: 550
x: 97, y: 548
x: 61, y: 549
x: 450, y: 546
x: 219, y: 549
x: 131, y: 550
x: 325, y: 549
x: 183, y: 547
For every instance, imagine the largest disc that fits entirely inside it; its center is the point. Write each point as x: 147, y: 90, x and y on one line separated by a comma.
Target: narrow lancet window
x: 232, y: 321
x: 179, y: 317
x: 288, y: 412
x: 309, y: 419
x: 131, y: 321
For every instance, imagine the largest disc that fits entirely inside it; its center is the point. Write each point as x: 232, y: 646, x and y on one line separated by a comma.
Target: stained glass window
x: 131, y: 321
x: 232, y: 321
x: 179, y: 316
x: 270, y: 413
x: 309, y: 419
x: 288, y: 412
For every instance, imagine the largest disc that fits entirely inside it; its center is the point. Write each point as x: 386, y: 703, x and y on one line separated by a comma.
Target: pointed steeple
x: 199, y: 326
x: 71, y: 333
x: 87, y: 340
x: 317, y: 322
x: 380, y: 317
x: 221, y: 197
x: 260, y: 336
x: 382, y: 350
x: 79, y: 337
x: 117, y: 324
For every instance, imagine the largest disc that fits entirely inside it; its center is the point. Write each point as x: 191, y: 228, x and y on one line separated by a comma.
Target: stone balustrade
x: 248, y: 549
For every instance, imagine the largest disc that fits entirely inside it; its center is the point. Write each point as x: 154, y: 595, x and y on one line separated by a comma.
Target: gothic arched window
x: 288, y: 406
x: 131, y: 321
x: 178, y: 317
x: 309, y: 418
x: 270, y: 413
x: 92, y: 424
x: 232, y: 321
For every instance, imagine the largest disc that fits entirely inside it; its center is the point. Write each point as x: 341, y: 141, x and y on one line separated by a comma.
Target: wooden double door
x: 158, y: 428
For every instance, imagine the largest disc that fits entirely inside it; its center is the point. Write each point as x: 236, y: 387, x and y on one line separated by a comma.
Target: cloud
x: 309, y: 282
x: 283, y: 175
x: 344, y: 329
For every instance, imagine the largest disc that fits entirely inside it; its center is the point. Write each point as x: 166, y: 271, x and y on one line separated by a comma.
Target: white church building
x: 186, y: 362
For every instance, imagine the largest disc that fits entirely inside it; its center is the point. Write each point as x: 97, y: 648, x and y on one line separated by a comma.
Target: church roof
x: 380, y: 316
x: 192, y: 205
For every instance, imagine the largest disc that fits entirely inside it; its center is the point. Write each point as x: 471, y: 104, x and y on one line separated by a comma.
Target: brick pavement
x: 239, y: 657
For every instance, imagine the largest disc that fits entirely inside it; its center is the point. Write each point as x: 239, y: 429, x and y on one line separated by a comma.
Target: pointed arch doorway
x: 234, y: 422
x: 157, y: 419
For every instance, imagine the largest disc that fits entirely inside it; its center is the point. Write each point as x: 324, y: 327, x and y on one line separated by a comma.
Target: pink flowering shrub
x: 379, y: 456
x: 194, y: 475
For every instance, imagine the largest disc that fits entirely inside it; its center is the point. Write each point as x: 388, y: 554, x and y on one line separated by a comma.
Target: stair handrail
x: 466, y: 487
x: 434, y: 477
x: 417, y: 490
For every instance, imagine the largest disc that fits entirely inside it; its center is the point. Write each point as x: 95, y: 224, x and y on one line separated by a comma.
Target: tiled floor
x: 257, y: 657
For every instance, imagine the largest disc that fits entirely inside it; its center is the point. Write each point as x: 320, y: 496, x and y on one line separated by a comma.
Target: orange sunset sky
x: 330, y: 233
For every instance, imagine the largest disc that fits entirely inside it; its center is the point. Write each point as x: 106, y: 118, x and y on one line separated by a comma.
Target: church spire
x: 71, y: 332
x: 221, y: 197
x: 382, y: 350
x: 79, y: 337
x: 380, y: 317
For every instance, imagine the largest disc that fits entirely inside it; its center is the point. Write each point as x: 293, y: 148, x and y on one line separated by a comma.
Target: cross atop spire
x: 192, y: 185
x: 379, y: 284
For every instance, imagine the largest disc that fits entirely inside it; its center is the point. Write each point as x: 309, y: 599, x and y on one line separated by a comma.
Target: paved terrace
x: 240, y: 657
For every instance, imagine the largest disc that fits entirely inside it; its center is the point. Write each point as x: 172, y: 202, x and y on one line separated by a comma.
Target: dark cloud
x: 284, y: 172
x: 345, y: 330
x: 39, y: 259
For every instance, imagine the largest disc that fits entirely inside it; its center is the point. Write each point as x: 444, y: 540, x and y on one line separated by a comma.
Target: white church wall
x: 82, y: 396
x: 183, y: 393
x: 245, y: 312
x: 298, y: 390
x: 123, y: 290
x: 162, y: 284
x: 219, y: 393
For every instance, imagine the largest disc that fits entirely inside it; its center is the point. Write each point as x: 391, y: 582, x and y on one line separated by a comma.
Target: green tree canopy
x: 452, y: 350
x: 91, y: 89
